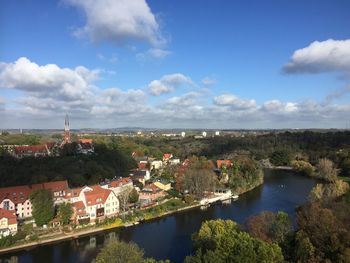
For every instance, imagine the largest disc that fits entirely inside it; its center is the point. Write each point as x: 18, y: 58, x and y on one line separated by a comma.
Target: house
x: 226, y: 163
x: 167, y: 156
x: 17, y: 197
x: 119, y: 185
x: 174, y: 161
x: 80, y: 216
x: 8, y: 222
x: 31, y: 151
x: 165, y: 186
x: 100, y: 203
x: 85, y: 146
x: 156, y: 164
x: 150, y: 194
x: 140, y: 173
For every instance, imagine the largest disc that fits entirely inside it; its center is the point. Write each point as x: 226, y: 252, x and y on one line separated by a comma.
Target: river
x: 170, y: 237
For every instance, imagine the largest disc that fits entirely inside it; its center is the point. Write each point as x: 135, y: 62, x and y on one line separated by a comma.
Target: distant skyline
x: 220, y: 64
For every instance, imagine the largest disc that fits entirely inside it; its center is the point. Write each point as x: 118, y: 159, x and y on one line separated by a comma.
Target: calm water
x: 170, y: 237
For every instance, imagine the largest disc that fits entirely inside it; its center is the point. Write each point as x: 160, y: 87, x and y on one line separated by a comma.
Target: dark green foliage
x: 116, y: 251
x: 281, y: 158
x: 43, y: 206
x: 222, y: 241
x: 78, y: 170
x: 65, y: 213
x: 133, y: 196
x: 246, y: 174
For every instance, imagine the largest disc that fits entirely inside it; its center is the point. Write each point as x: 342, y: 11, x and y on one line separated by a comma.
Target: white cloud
x: 234, y: 102
x: 49, y: 80
x: 118, y: 21
x: 153, y: 53
x: 321, y: 56
x: 208, y: 81
x: 39, y: 103
x: 276, y: 107
x: 168, y: 83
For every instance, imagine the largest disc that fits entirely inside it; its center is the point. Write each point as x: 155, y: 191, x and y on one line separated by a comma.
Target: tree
x: 280, y: 157
x: 222, y: 241
x: 303, y: 167
x: 326, y: 170
x: 120, y: 252
x: 43, y: 206
x: 199, y: 178
x: 65, y: 213
x: 269, y: 226
x: 133, y: 196
x: 328, y: 191
x: 123, y: 197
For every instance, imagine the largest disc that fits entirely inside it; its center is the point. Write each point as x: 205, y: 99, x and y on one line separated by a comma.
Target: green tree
x: 116, y: 251
x: 133, y: 196
x: 223, y: 241
x: 280, y: 158
x: 65, y: 213
x: 43, y: 206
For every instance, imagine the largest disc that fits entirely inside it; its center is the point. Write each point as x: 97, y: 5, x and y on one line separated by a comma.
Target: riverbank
x: 59, y: 237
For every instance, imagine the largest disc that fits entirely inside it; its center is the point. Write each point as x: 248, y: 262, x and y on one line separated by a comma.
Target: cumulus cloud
x: 321, y: 56
x: 234, y: 102
x: 168, y: 83
x: 49, y: 80
x: 39, y: 102
x: 118, y: 21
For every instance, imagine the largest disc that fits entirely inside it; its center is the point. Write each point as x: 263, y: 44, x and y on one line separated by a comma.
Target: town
x: 142, y: 188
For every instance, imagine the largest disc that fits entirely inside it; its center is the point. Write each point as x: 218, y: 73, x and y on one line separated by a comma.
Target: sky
x: 252, y: 64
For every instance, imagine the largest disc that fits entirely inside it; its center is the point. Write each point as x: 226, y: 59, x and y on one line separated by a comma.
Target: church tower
x: 66, y: 135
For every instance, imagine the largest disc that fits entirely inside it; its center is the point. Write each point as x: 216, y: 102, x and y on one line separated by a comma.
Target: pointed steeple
x: 66, y: 123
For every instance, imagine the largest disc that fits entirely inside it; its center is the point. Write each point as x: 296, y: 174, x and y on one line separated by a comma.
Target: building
x: 156, y: 164
x: 119, y: 185
x: 17, y: 198
x: 183, y: 134
x: 204, y: 134
x: 150, y: 194
x: 66, y: 134
x: 167, y: 156
x: 31, y: 151
x: 85, y: 146
x: 92, y: 203
x: 165, y: 186
x: 226, y: 163
x: 217, y: 133
x: 8, y: 222
x: 144, y: 174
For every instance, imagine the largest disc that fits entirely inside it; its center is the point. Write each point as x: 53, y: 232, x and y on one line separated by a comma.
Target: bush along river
x: 170, y: 237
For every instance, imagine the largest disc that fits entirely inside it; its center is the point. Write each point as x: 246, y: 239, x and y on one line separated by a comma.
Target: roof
x: 87, y: 141
x: 167, y: 155
x: 138, y: 173
x: 79, y: 208
x: 73, y: 192
x: 10, y: 215
x: 31, y: 149
x: 19, y: 194
x: 227, y: 163
x: 151, y: 188
x: 97, y: 195
x: 120, y: 182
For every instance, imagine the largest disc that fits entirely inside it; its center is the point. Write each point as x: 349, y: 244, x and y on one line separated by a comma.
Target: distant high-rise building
x: 66, y: 135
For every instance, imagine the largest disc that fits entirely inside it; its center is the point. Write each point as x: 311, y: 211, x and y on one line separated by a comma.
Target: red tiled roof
x: 31, y: 148
x: 19, y: 194
x: 167, y: 155
x: 151, y: 188
x: 10, y: 215
x: 120, y: 182
x: 98, y: 195
x: 227, y: 163
x: 87, y: 141
x: 79, y: 208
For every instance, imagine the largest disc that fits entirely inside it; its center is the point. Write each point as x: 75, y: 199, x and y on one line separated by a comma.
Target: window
x: 6, y: 205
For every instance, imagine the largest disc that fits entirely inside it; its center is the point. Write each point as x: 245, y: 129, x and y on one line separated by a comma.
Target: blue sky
x: 169, y: 64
